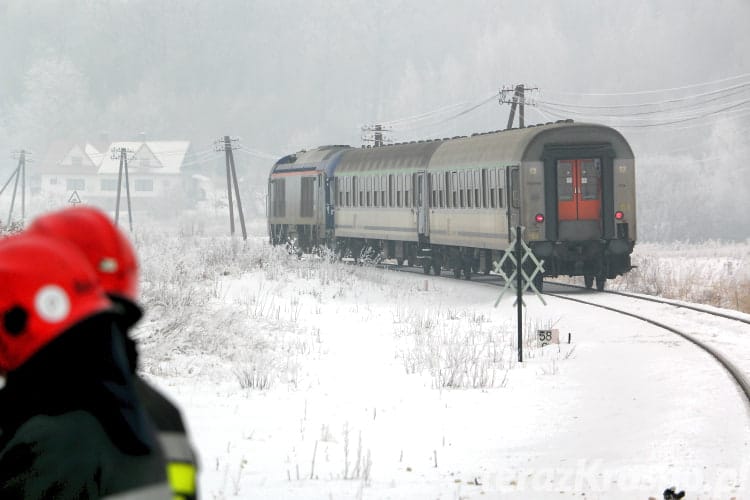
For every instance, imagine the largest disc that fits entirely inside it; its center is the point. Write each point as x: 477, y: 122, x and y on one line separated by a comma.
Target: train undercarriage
x: 595, y: 260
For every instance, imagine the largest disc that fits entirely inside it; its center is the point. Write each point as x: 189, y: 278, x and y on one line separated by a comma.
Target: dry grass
x: 711, y: 273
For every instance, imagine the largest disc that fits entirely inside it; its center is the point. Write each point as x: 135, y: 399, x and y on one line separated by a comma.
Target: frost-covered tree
x: 55, y: 104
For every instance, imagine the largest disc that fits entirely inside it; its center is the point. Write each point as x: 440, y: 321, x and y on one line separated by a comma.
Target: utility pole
x: 517, y: 101
x: 122, y: 154
x: 375, y: 134
x: 227, y: 144
x: 19, y: 174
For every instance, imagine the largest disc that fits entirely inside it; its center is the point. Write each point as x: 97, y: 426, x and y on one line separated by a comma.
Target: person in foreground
x: 114, y: 260
x: 71, y: 424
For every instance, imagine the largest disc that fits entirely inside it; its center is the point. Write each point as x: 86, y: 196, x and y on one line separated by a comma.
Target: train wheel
x: 436, y: 265
x: 600, y: 280
x: 539, y: 283
x: 426, y: 266
x: 588, y: 280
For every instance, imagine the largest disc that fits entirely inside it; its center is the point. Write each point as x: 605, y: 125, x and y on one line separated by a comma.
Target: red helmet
x: 46, y: 287
x: 104, y: 245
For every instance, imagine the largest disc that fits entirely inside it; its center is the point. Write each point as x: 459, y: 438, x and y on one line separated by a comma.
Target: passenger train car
x: 453, y: 203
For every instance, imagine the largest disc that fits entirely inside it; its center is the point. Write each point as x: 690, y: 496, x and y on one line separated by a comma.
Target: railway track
x: 735, y: 372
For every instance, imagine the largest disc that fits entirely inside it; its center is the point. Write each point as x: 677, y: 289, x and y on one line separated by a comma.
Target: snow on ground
x: 311, y: 379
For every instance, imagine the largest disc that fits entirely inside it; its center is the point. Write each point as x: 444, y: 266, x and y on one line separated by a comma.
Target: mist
x: 288, y: 75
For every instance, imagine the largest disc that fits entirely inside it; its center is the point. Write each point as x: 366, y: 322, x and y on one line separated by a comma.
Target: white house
x: 66, y: 169
x: 155, y: 177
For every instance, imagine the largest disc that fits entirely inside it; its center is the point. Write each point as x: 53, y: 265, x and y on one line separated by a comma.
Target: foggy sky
x: 292, y: 74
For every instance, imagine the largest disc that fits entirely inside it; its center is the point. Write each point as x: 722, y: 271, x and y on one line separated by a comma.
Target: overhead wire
x: 453, y: 116
x: 653, y: 91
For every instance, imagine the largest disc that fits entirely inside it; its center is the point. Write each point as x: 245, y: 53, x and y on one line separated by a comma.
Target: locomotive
x: 453, y: 203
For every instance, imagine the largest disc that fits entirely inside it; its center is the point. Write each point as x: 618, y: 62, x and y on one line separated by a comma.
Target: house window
x: 143, y: 185
x: 108, y: 185
x: 75, y: 184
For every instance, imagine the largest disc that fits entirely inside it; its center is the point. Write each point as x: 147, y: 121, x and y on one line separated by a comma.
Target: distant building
x: 64, y: 169
x: 156, y: 177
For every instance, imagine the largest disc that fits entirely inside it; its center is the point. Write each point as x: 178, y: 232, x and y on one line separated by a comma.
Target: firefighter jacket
x: 181, y: 459
x: 182, y: 462
x: 72, y: 426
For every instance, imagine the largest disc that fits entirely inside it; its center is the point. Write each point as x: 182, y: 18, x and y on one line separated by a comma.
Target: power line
x: 656, y: 124
x: 654, y: 91
x: 721, y: 92
x: 465, y: 111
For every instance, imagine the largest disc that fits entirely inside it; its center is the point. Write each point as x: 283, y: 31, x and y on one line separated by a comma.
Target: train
x: 453, y: 204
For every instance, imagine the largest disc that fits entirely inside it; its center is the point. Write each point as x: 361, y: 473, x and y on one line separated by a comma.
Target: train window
x: 590, y: 176
x: 434, y: 186
x: 491, y: 183
x: 478, y: 188
x: 469, y: 188
x: 454, y: 189
x: 376, y: 191
x: 441, y: 189
x: 500, y: 184
x: 484, y: 188
x: 340, y: 192
x: 390, y: 190
x: 382, y: 190
x: 462, y: 189
x: 515, y: 195
x: 407, y: 188
x: 565, y: 181
x: 307, y: 188
x: 279, y: 202
x: 399, y: 189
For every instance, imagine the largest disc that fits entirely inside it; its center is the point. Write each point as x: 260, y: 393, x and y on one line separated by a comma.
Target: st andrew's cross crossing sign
x: 528, y: 280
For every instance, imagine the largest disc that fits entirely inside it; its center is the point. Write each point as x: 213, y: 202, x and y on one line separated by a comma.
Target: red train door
x: 579, y: 198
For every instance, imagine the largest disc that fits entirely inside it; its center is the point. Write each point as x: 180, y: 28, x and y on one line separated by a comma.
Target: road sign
x: 74, y: 198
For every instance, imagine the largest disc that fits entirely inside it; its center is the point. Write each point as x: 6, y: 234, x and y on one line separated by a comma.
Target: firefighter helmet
x: 104, y: 245
x: 46, y: 287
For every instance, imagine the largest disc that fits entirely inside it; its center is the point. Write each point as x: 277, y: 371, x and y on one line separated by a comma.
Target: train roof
x: 314, y: 159
x: 506, y: 147
x: 406, y: 156
x: 513, y: 146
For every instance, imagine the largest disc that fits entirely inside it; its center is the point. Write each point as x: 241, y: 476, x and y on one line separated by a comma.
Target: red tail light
x: 539, y: 218
x: 619, y: 215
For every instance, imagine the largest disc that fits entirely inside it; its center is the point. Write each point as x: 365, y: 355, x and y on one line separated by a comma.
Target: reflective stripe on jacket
x: 182, y: 464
